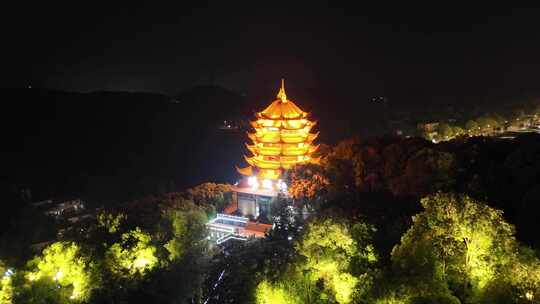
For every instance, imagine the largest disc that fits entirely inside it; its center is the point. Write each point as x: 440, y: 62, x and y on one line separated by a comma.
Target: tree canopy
x: 134, y: 254
x: 466, y: 243
x: 65, y: 265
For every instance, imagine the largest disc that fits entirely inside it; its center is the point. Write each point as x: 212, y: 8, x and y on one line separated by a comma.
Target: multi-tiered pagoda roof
x: 282, y: 138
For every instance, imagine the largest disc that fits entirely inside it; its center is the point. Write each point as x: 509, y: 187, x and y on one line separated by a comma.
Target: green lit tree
x: 333, y: 262
x: 500, y: 120
x: 487, y: 123
x: 110, y: 222
x: 6, y: 290
x: 472, y: 127
x: 65, y: 266
x: 268, y: 293
x: 40, y: 292
x: 133, y: 256
x: 518, y: 282
x: 339, y: 256
x: 466, y: 242
x: 173, y: 240
x: 445, y: 131
x: 458, y: 131
x: 187, y: 229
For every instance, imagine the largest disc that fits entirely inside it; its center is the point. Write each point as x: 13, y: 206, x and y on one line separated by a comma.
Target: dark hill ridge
x: 114, y: 144
x: 122, y: 144
x: 213, y: 102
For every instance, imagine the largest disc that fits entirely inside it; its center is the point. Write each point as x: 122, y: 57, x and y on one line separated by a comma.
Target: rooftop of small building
x: 256, y: 229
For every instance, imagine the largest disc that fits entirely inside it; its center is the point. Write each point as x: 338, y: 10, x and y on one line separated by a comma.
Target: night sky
x: 386, y: 50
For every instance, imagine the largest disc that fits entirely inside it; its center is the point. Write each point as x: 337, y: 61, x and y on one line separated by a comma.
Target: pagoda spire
x: 281, y: 95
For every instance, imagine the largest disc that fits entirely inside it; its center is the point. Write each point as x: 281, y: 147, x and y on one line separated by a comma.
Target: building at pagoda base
x: 226, y: 227
x: 281, y: 138
x: 254, y: 203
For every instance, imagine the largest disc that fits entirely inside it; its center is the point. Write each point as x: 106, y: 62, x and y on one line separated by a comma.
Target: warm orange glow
x: 282, y: 138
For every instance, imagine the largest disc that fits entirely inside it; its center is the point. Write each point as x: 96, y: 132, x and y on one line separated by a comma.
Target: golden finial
x: 281, y: 95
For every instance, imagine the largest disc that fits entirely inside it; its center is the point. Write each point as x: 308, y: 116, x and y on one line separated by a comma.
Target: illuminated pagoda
x: 282, y: 138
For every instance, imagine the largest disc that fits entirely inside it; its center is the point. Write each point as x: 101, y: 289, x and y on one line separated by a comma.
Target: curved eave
x: 315, y: 160
x: 271, y: 137
x: 282, y: 110
x: 263, y: 164
x: 247, y: 171
x: 289, y: 164
x: 254, y: 124
x: 250, y: 160
x: 290, y: 125
x: 287, y: 124
x: 293, y: 139
x: 252, y: 136
x: 306, y: 150
x: 283, y: 117
x: 269, y: 173
x: 303, y: 115
x: 295, y: 152
x: 313, y: 149
x: 251, y: 148
x: 258, y: 150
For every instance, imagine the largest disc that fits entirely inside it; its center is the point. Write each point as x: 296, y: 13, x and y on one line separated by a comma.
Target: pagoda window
x: 296, y: 131
x: 296, y: 124
x: 293, y: 146
x: 289, y: 158
x: 265, y: 122
x: 271, y: 158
